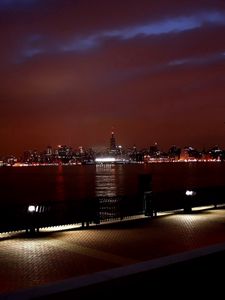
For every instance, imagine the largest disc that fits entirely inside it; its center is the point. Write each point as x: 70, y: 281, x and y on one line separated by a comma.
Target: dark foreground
x: 196, y: 277
x: 171, y: 255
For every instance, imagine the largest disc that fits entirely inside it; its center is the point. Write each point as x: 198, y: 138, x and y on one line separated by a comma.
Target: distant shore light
x: 105, y: 159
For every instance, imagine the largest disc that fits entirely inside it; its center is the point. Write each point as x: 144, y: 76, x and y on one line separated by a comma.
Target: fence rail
x: 101, y: 209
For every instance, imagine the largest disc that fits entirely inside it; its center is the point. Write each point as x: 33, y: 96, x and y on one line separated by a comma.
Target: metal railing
x: 102, y: 209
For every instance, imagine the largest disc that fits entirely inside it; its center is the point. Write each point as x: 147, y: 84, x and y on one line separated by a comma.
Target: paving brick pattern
x: 28, y: 261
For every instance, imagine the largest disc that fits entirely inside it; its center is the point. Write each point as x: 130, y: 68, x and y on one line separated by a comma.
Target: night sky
x: 72, y: 70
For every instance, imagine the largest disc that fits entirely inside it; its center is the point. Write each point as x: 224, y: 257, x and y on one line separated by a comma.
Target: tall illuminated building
x: 112, y: 142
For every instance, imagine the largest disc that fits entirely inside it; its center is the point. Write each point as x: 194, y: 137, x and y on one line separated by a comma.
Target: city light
x: 113, y: 154
x: 105, y: 159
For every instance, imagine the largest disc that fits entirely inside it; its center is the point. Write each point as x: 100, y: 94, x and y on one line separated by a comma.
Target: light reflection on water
x: 105, y: 181
x: 40, y: 184
x: 60, y: 184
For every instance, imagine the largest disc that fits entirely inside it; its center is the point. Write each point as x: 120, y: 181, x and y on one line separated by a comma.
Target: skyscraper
x: 112, y: 142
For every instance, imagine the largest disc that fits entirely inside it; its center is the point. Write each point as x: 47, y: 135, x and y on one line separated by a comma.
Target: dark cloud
x: 16, y: 4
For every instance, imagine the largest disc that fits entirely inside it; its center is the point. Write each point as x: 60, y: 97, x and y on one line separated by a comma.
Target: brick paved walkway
x: 54, y: 256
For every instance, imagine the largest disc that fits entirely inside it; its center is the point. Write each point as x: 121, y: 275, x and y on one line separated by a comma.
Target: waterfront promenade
x: 131, y: 256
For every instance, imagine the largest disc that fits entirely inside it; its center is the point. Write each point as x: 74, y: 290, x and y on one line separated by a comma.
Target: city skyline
x: 111, y: 145
x: 113, y: 149
x: 70, y: 71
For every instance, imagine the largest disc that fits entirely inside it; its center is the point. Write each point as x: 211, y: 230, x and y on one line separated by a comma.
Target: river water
x: 72, y: 183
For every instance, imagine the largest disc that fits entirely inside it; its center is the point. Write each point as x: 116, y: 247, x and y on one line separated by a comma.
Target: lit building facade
x: 112, y: 142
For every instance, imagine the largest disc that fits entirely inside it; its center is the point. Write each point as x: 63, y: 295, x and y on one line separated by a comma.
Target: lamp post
x: 32, y: 212
x: 189, y: 194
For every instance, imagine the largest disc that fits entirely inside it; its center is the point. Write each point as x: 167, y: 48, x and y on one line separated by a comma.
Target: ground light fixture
x: 190, y: 193
x: 32, y: 208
